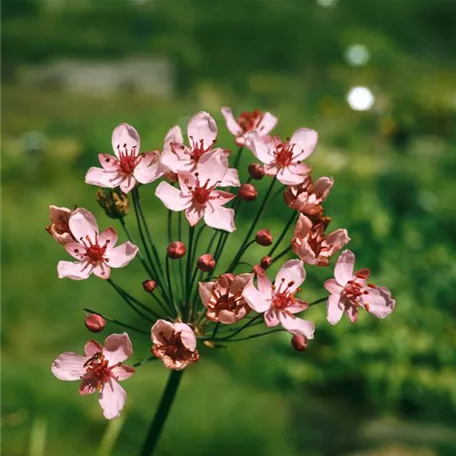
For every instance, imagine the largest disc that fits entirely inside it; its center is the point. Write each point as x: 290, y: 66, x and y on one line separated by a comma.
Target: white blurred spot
x: 357, y: 55
x: 327, y: 3
x: 360, y: 98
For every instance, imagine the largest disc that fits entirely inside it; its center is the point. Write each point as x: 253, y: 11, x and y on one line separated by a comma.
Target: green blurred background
x: 72, y: 70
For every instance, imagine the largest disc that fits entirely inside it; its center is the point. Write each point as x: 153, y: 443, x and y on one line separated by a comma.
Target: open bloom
x: 312, y: 245
x: 94, y: 252
x: 223, y: 298
x: 99, y: 370
x: 284, y: 159
x: 128, y: 166
x: 257, y: 121
x: 59, y: 228
x: 278, y: 301
x: 350, y: 290
x: 174, y: 344
x: 198, y: 195
x: 307, y: 196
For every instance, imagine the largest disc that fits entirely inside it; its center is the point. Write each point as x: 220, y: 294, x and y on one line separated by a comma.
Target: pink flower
x: 174, y: 344
x: 312, y: 245
x: 197, y: 194
x: 128, y: 166
x: 59, y: 228
x: 100, y: 369
x: 307, y: 196
x: 284, y: 159
x: 257, y: 121
x: 95, y: 252
x: 350, y: 290
x: 223, y: 298
x: 278, y: 301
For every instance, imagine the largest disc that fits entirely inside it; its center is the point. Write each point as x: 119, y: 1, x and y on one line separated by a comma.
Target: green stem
x: 117, y: 322
x: 162, y: 412
x: 253, y: 336
x: 281, y: 254
x: 237, y: 160
x: 284, y: 232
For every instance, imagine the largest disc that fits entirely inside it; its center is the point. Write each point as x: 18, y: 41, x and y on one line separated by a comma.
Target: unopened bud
x: 265, y: 262
x: 94, y: 322
x: 264, y: 238
x: 258, y: 270
x: 299, y: 342
x: 247, y: 192
x: 176, y: 250
x: 171, y: 177
x: 149, y: 285
x: 256, y: 171
x: 206, y: 263
x: 114, y: 202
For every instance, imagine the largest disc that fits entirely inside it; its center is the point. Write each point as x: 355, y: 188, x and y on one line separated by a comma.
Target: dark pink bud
x: 299, y: 342
x: 256, y: 171
x: 176, y: 250
x: 265, y: 262
x: 206, y: 263
x: 94, y: 323
x: 247, y: 192
x: 264, y: 238
x: 258, y: 270
x: 149, y: 285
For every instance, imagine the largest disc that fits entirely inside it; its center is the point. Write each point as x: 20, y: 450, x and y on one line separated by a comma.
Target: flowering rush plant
x: 191, y: 299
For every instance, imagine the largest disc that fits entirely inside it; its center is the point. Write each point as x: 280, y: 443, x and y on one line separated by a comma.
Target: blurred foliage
x: 394, y: 192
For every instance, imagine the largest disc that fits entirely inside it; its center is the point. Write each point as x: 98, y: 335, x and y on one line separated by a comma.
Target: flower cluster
x: 197, y: 295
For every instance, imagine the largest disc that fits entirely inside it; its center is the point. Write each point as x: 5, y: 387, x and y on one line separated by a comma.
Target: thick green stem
x: 162, y: 412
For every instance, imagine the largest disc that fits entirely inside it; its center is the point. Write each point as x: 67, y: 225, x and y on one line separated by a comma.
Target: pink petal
x: 205, y: 292
x: 297, y: 326
x: 194, y: 214
x: 103, y: 178
x: 305, y: 141
x: 271, y: 318
x: 219, y: 198
x: 125, y: 139
x: 335, y: 309
x: 265, y: 286
x: 148, y: 169
x: 187, y: 335
x: 177, y: 163
x: 268, y: 122
x: 92, y: 347
x: 336, y: 240
x: 69, y: 366
x: 202, y: 127
x: 219, y: 217
x: 322, y: 186
x: 260, y: 149
x: 271, y: 170
x: 117, y: 348
x: 172, y: 197
x: 256, y: 300
x: 333, y: 287
x: 122, y: 372
x: 56, y: 214
x: 120, y: 256
x: 379, y: 302
x: 128, y: 184
x: 352, y: 313
x: 109, y: 162
x: 231, y: 123
x: 290, y: 276
x: 213, y: 167
x: 76, y: 250
x: 82, y: 224
x: 109, y: 237
x: 231, y: 179
x: 102, y: 270
x: 77, y: 270
x: 112, y: 399
x: 287, y: 176
x: 343, y: 271
x: 174, y: 135
x: 161, y: 331
x: 303, y: 226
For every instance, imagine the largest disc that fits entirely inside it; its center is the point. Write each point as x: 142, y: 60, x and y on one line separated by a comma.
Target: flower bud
x: 265, y: 262
x: 299, y: 342
x: 264, y: 238
x: 256, y: 171
x: 149, y: 285
x: 114, y: 202
x: 94, y: 322
x: 206, y: 263
x: 247, y: 192
x: 176, y: 250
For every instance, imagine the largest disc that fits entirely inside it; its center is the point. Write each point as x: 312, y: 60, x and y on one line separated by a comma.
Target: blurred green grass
x: 259, y: 397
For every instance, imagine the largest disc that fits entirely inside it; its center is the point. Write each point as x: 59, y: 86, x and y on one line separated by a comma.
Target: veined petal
x: 174, y: 135
x: 219, y: 217
x: 108, y: 237
x: 343, y: 271
x: 305, y: 141
x: 148, y: 169
x: 333, y: 287
x: 231, y: 179
x: 69, y: 366
x: 75, y: 249
x: 187, y: 335
x: 271, y: 318
x: 125, y: 139
x: 77, y: 270
x: 82, y: 223
x: 379, y: 302
x: 267, y: 123
x: 117, y: 348
x: 120, y: 256
x: 265, y: 286
x: 122, y: 372
x: 102, y: 270
x: 335, y: 309
x: 172, y: 197
x: 213, y: 167
x: 219, y: 198
x: 256, y: 300
x: 231, y: 123
x: 102, y: 178
x: 205, y: 292
x: 128, y: 184
x: 290, y: 276
x: 112, y: 399
x: 287, y: 176
x: 297, y: 326
x: 108, y: 162
x: 92, y: 347
x: 260, y: 149
x: 336, y: 240
x: 194, y: 214
x: 202, y: 128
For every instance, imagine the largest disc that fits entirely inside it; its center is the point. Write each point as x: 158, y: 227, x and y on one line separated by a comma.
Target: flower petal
x: 125, y: 140
x: 297, y: 326
x: 161, y: 331
x: 202, y: 128
x: 103, y: 178
x: 379, y: 302
x: 290, y: 276
x: 172, y: 197
x: 271, y: 318
x: 231, y: 123
x: 231, y: 179
x: 260, y: 149
x: 213, y: 167
x: 82, y: 224
x: 187, y: 335
x: 305, y: 141
x: 108, y: 237
x: 69, y: 366
x: 109, y: 162
x: 256, y: 300
x: 293, y: 175
x: 194, y: 214
x: 117, y: 348
x: 205, y: 292
x: 322, y: 186
x: 265, y: 286
x: 128, y: 184
x: 343, y: 271
x: 219, y: 198
x: 336, y: 240
x: 77, y: 270
x: 220, y: 217
x: 120, y: 256
x: 333, y: 287
x: 112, y: 399
x: 267, y: 123
x: 122, y: 372
x: 92, y: 347
x: 102, y: 270
x: 174, y: 135
x: 335, y: 309
x: 76, y: 250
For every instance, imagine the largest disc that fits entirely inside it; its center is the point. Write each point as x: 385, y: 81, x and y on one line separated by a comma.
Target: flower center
x: 201, y: 194
x: 94, y: 251
x: 127, y: 159
x: 97, y: 371
x: 174, y: 346
x: 250, y: 120
x: 284, y: 154
x: 198, y: 150
x: 282, y: 300
x: 353, y: 290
